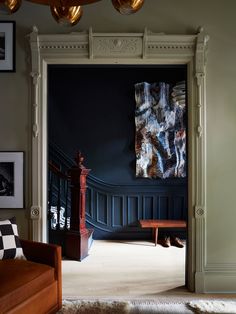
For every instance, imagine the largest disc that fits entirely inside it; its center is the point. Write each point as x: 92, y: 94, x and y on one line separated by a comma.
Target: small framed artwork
x: 11, y: 179
x: 7, y: 46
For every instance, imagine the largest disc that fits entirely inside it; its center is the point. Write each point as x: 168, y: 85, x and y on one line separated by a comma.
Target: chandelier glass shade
x: 67, y: 15
x: 9, y: 6
x: 127, y: 7
x: 69, y: 12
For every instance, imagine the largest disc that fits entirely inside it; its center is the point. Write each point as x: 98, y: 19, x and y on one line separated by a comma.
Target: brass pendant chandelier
x: 69, y: 12
x: 127, y: 7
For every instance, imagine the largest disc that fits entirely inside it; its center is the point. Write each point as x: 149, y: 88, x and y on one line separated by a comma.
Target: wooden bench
x: 159, y: 223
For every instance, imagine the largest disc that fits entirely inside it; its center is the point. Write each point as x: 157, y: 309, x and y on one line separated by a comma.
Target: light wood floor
x: 128, y: 269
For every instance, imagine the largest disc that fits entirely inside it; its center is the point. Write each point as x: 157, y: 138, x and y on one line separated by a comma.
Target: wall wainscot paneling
x: 114, y: 210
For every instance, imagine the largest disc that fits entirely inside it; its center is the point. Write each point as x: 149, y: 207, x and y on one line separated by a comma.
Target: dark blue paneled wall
x: 92, y: 109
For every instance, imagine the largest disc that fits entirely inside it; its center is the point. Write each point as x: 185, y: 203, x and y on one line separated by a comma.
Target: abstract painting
x: 160, y: 139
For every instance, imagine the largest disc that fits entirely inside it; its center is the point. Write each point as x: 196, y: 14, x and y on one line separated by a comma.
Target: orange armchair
x: 33, y: 285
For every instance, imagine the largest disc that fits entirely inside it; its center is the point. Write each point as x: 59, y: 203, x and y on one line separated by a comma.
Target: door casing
x: 126, y: 48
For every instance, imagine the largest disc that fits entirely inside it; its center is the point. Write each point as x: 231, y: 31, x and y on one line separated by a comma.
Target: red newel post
x: 78, y: 235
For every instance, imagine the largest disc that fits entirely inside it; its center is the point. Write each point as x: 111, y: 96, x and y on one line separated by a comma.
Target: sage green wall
x: 180, y: 17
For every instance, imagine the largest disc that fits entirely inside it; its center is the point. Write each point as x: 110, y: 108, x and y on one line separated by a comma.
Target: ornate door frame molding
x: 126, y: 48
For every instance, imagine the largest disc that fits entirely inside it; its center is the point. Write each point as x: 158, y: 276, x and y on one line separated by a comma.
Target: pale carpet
x: 127, y: 307
x: 147, y: 307
x: 127, y: 269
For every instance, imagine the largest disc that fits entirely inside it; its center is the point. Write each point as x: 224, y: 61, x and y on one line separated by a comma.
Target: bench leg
x: 155, y: 235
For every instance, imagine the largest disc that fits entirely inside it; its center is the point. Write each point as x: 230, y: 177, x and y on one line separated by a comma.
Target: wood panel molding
x: 112, y: 207
x: 129, y: 203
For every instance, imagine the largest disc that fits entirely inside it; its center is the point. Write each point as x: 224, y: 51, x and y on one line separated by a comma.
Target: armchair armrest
x: 48, y: 254
x: 43, y: 253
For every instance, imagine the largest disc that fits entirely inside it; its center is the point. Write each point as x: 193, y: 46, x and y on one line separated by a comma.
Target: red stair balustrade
x: 77, y: 237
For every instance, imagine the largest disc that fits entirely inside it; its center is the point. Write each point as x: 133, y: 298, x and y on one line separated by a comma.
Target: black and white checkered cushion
x: 10, y: 246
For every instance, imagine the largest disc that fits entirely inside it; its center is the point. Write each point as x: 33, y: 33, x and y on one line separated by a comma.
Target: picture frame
x: 11, y: 180
x: 7, y: 46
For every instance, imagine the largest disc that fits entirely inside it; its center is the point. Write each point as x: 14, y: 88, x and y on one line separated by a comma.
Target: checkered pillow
x: 10, y: 246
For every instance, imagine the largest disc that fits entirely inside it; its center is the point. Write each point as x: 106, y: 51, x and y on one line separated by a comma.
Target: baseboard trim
x: 215, y: 282
x: 220, y: 282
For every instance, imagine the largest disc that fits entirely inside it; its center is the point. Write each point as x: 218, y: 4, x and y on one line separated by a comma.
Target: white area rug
x: 151, y: 307
x: 94, y: 307
x: 147, y: 307
x: 216, y: 306
x: 119, y: 307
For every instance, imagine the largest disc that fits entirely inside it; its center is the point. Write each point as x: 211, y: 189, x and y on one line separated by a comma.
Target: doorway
x: 141, y: 48
x: 91, y: 108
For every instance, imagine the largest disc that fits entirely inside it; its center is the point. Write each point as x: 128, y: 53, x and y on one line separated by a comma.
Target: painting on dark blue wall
x: 160, y: 139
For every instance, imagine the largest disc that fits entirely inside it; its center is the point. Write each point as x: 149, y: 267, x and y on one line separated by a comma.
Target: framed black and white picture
x: 7, y: 46
x: 11, y: 179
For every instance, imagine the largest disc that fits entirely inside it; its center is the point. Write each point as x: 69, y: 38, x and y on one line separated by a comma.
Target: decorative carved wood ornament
x: 126, y: 48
